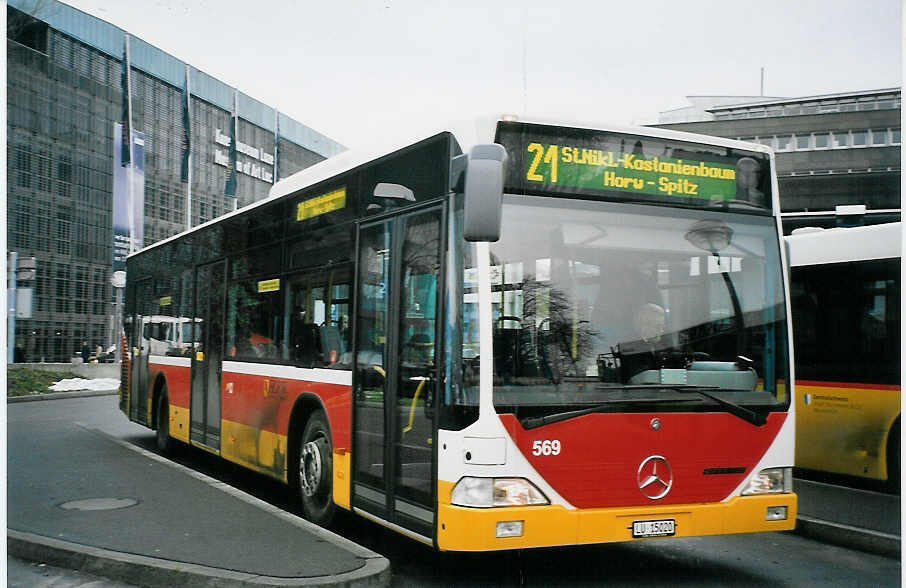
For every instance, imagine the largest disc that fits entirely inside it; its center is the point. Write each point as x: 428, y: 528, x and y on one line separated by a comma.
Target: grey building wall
x: 831, y: 150
x: 64, y: 94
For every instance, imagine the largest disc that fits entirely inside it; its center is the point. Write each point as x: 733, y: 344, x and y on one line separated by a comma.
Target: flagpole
x: 131, y: 174
x: 233, y: 182
x: 276, y: 139
x: 189, y: 147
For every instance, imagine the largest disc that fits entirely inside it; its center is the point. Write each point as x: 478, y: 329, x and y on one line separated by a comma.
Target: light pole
x: 118, y: 281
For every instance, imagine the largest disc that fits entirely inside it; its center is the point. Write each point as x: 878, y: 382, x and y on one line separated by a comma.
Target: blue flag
x: 186, y: 129
x: 230, y: 189
x: 126, y: 86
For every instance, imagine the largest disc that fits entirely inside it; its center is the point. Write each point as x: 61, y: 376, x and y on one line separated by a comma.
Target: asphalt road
x: 776, y: 559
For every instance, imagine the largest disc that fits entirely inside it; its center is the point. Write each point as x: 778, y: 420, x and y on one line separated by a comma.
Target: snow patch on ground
x: 73, y: 384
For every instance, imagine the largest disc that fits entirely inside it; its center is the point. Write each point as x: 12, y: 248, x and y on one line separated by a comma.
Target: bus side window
x: 306, y: 344
x: 319, y: 313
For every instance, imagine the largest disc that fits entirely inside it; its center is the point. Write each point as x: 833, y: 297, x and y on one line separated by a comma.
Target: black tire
x: 314, y: 471
x: 164, y: 441
x: 893, y: 459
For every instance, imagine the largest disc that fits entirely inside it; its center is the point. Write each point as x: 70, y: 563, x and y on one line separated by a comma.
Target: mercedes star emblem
x: 655, y: 477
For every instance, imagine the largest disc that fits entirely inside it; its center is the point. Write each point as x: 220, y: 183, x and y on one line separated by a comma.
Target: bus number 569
x: 546, y: 447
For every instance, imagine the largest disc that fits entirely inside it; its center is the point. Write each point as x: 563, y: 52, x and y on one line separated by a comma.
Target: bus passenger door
x: 210, y: 285
x: 396, y: 372
x: 139, y: 348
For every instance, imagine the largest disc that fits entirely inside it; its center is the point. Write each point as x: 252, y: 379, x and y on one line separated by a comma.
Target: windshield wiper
x: 750, y: 416
x: 533, y: 422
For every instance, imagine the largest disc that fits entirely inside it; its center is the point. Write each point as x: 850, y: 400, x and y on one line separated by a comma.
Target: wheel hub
x: 310, y: 469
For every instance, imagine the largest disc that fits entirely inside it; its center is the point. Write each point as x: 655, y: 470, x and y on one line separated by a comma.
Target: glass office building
x: 200, y: 149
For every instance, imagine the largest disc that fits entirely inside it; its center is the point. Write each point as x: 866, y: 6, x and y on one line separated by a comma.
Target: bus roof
x: 474, y: 131
x: 467, y: 132
x: 820, y: 246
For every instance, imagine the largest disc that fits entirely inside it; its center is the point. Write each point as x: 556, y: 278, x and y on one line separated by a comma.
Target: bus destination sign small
x: 319, y: 205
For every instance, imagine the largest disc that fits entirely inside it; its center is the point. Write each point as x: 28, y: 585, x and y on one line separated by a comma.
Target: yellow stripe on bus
x: 256, y: 449
x: 342, y: 478
x: 265, y: 452
x: 179, y: 423
x: 844, y: 429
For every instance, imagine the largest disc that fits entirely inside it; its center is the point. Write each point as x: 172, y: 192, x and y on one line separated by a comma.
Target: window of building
x: 895, y: 136
x: 879, y: 136
x: 840, y: 139
x: 802, y: 142
x: 784, y: 143
x: 822, y: 140
x: 860, y: 138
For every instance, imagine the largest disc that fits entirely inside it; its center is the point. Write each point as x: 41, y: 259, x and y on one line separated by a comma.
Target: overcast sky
x: 359, y: 70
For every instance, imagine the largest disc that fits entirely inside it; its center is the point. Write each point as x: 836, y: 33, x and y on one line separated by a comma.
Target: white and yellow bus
x: 845, y: 296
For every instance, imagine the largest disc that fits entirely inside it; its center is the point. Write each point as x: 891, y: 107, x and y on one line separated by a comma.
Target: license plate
x: 658, y: 528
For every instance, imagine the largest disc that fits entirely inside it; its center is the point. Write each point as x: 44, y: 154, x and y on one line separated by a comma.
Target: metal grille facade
x: 63, y: 98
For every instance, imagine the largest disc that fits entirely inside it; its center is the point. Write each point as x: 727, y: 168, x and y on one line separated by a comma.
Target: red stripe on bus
x: 177, y: 378
x: 266, y: 403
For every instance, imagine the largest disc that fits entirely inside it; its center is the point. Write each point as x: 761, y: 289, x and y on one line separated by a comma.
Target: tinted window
x: 260, y: 227
x: 412, y: 175
x: 328, y: 245
x: 257, y: 262
x: 849, y: 334
x: 254, y: 325
x: 318, y: 323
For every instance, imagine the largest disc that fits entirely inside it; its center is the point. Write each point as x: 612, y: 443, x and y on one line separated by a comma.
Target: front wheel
x: 315, y: 471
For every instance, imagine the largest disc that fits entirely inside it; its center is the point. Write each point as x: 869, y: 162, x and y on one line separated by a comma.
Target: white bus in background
x: 169, y: 335
x: 845, y: 298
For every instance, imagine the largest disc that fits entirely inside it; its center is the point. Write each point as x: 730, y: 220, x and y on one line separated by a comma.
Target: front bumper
x: 474, y: 529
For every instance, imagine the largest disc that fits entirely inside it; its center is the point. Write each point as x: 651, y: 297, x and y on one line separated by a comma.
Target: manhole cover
x: 99, y: 504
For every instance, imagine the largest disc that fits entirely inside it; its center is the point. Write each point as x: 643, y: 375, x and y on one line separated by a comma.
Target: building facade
x: 838, y: 155
x: 206, y: 148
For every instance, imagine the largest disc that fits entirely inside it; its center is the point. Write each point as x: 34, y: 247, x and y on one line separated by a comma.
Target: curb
x: 60, y: 395
x: 848, y: 536
x: 149, y: 571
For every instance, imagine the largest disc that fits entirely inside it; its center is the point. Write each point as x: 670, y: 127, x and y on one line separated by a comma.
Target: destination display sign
x: 319, y: 205
x: 630, y: 167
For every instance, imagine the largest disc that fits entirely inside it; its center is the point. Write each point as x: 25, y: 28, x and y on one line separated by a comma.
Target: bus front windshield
x: 626, y: 306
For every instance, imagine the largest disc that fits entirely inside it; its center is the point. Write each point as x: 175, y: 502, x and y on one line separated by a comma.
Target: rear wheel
x: 893, y: 458
x: 315, y: 471
x: 164, y: 441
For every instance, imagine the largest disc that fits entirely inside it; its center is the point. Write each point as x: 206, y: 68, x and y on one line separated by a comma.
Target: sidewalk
x: 858, y: 519
x: 112, y: 509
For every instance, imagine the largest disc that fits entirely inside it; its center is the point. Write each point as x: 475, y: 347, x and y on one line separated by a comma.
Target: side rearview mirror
x: 484, y: 192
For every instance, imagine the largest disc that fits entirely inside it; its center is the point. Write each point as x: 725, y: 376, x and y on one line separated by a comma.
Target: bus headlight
x: 488, y: 492
x: 770, y: 481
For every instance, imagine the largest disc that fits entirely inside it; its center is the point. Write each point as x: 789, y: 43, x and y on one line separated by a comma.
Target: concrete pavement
x: 118, y: 511
x: 82, y: 500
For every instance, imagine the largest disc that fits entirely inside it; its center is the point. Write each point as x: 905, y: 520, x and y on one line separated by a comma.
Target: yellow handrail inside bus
x: 418, y: 391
